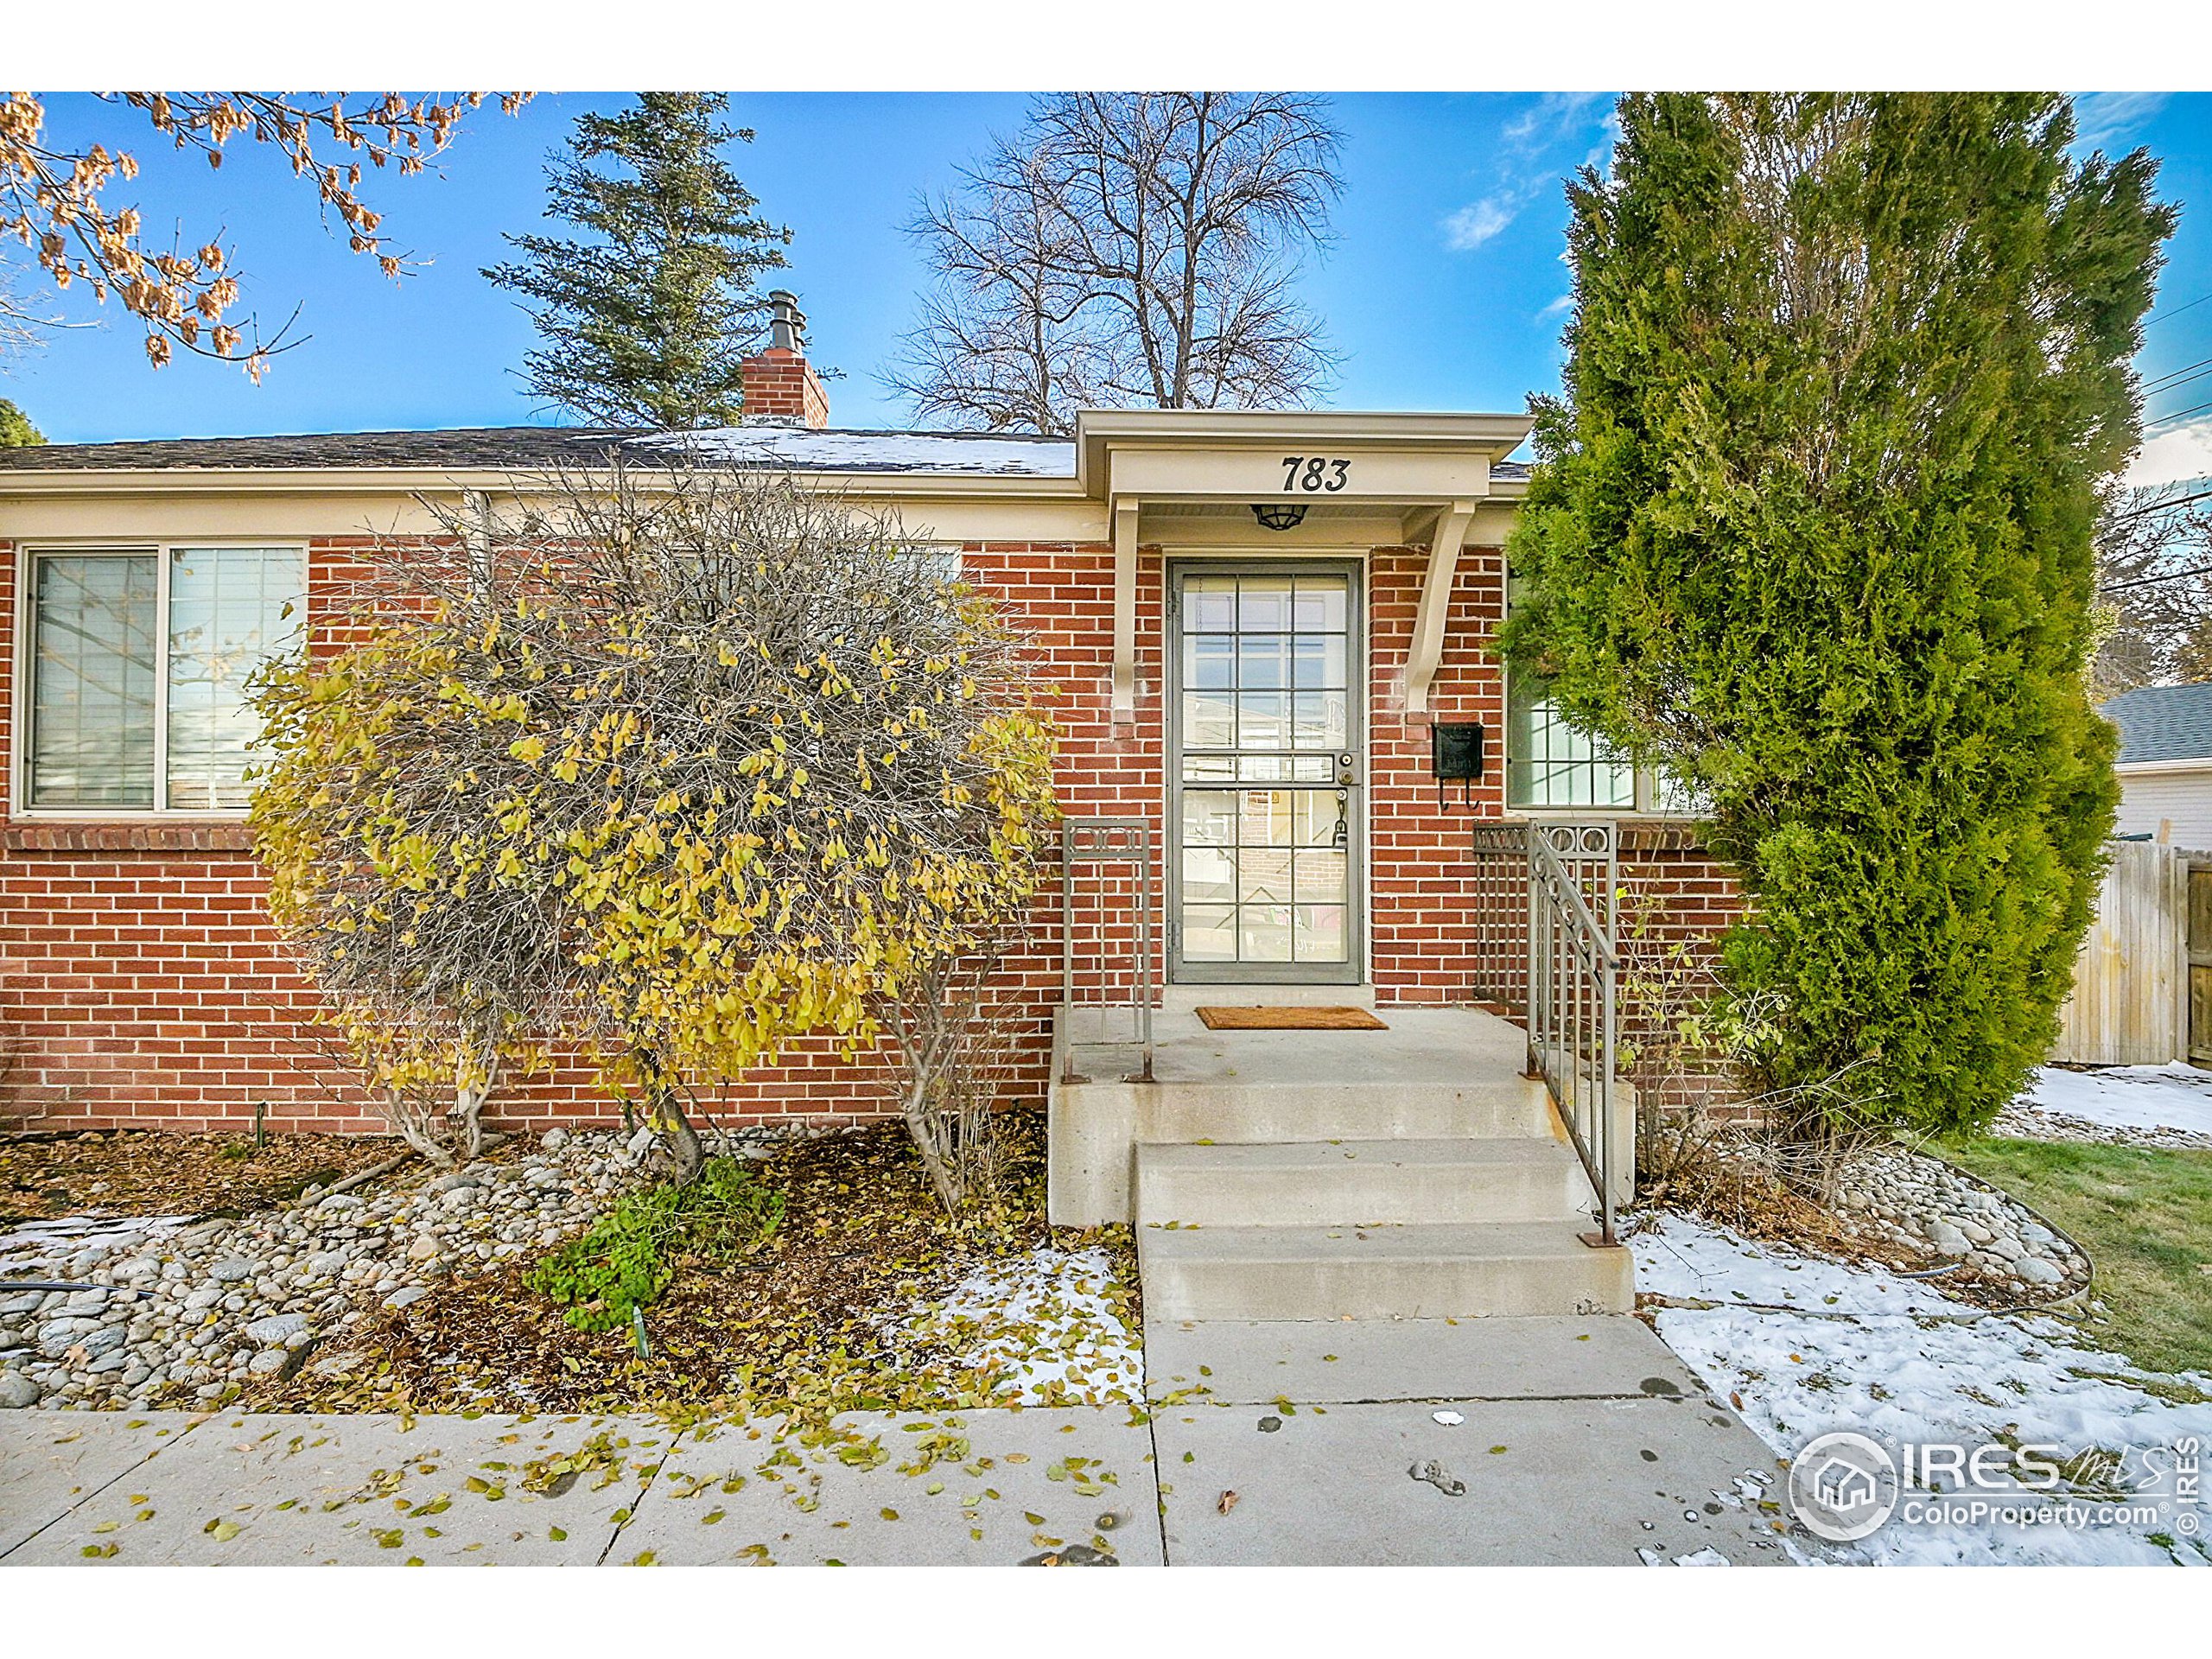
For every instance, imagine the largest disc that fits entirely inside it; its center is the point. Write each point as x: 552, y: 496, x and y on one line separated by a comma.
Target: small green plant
x: 629, y: 1254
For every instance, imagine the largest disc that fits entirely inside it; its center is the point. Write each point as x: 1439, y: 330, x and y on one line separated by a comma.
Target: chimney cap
x: 786, y: 323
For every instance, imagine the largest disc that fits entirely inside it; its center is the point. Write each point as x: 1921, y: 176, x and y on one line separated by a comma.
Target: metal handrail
x: 1570, y: 994
x: 1109, y: 841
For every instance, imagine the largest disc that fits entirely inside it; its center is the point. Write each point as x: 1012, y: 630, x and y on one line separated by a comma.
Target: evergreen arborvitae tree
x: 1811, y: 526
x: 644, y: 323
x: 16, y: 431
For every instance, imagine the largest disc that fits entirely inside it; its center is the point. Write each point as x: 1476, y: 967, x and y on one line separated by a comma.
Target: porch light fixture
x: 1279, y: 515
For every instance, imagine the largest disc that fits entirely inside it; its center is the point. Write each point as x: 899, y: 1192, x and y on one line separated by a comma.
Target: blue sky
x: 1444, y: 289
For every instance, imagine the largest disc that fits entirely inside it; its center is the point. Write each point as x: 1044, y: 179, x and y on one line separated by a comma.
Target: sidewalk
x: 1577, y: 1441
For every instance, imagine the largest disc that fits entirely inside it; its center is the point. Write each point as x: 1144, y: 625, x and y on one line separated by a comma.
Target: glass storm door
x: 1264, y: 763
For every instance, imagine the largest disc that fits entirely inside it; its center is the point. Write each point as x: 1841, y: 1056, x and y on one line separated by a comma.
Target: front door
x: 1264, y: 773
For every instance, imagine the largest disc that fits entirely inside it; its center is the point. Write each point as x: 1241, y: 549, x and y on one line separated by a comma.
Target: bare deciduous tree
x: 1138, y: 249
x: 2154, y: 590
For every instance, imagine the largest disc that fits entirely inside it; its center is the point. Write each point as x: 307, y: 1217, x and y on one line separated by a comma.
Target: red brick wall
x: 781, y: 384
x: 141, y: 981
x: 1420, y: 899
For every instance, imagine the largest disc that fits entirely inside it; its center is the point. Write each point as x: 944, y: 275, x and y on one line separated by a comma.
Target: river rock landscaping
x: 412, y: 1293
x: 2114, y: 1105
x: 179, y: 1308
x: 1984, y: 1240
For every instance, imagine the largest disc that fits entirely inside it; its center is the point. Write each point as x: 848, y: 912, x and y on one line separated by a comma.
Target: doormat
x: 1290, y: 1019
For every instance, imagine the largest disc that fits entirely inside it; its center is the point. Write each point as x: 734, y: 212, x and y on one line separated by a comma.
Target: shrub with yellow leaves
x: 679, y: 767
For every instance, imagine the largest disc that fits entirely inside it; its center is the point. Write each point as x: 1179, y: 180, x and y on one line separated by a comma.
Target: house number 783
x: 1312, y: 472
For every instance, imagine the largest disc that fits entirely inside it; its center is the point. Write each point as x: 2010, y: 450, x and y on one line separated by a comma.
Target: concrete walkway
x: 1577, y: 1441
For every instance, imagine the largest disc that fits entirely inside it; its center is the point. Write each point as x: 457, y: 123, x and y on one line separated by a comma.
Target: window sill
x: 127, y: 836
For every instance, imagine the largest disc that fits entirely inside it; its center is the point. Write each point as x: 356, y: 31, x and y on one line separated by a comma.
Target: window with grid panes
x: 139, y: 658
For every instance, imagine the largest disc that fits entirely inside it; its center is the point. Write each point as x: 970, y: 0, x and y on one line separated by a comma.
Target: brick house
x: 1260, y: 623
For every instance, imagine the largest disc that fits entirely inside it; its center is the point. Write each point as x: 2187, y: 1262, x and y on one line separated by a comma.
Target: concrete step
x: 1303, y: 1183
x: 1457, y: 1271
x: 1487, y: 1103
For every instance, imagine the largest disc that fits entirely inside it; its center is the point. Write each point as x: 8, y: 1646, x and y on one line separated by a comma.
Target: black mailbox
x: 1455, y: 755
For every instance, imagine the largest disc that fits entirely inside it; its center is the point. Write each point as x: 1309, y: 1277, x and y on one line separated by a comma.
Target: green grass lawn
x: 2144, y: 1215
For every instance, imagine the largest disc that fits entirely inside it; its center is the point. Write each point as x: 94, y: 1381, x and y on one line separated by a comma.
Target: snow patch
x: 1041, y: 1328
x: 807, y: 449
x: 44, y: 1246
x: 2128, y: 1097
x: 1894, y: 1358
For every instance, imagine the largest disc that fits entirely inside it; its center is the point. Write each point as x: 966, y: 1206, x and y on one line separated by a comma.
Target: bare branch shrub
x: 956, y: 1025
x: 1711, y: 1132
x: 677, y: 764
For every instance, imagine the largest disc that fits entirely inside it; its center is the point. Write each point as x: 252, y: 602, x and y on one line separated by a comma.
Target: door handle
x: 1347, y: 770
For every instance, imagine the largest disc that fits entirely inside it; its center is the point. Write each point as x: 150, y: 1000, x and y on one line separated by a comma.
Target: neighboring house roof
x: 490, y: 447
x: 2163, y: 723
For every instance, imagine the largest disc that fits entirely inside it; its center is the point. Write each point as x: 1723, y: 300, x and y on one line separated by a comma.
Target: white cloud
x: 1553, y: 116
x: 1477, y: 222
x: 1559, y: 307
x: 1540, y: 128
x: 2103, y: 120
x: 1609, y: 137
x: 2178, y: 455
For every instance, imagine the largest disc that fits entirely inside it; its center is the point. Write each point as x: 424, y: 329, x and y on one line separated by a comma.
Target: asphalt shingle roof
x: 493, y: 447
x: 2162, y: 722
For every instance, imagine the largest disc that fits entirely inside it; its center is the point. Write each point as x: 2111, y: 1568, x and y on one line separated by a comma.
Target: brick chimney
x: 781, y: 388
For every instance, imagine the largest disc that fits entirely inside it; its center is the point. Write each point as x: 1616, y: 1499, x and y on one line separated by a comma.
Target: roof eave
x: 453, y: 480
x: 2171, y: 763
x: 1496, y: 435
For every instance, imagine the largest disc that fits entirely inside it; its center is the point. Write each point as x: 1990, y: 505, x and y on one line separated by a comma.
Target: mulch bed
x: 158, y: 1172
x: 794, y: 1327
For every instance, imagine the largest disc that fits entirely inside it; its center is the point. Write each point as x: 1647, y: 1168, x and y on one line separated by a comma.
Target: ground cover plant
x: 607, y: 1278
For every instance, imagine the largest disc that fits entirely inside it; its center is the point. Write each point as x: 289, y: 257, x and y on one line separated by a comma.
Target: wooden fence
x: 2143, y: 983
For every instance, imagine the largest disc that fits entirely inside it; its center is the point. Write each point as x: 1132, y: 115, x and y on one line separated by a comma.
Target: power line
x: 2178, y: 379
x: 2152, y: 322
x: 2180, y: 415
x: 2179, y: 376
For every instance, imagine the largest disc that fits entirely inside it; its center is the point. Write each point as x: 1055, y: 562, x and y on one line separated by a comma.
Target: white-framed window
x: 1551, y: 766
x: 134, y: 669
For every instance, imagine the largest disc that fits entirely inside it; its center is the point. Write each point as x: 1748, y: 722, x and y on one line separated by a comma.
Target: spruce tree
x: 645, y: 319
x: 1811, y: 526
